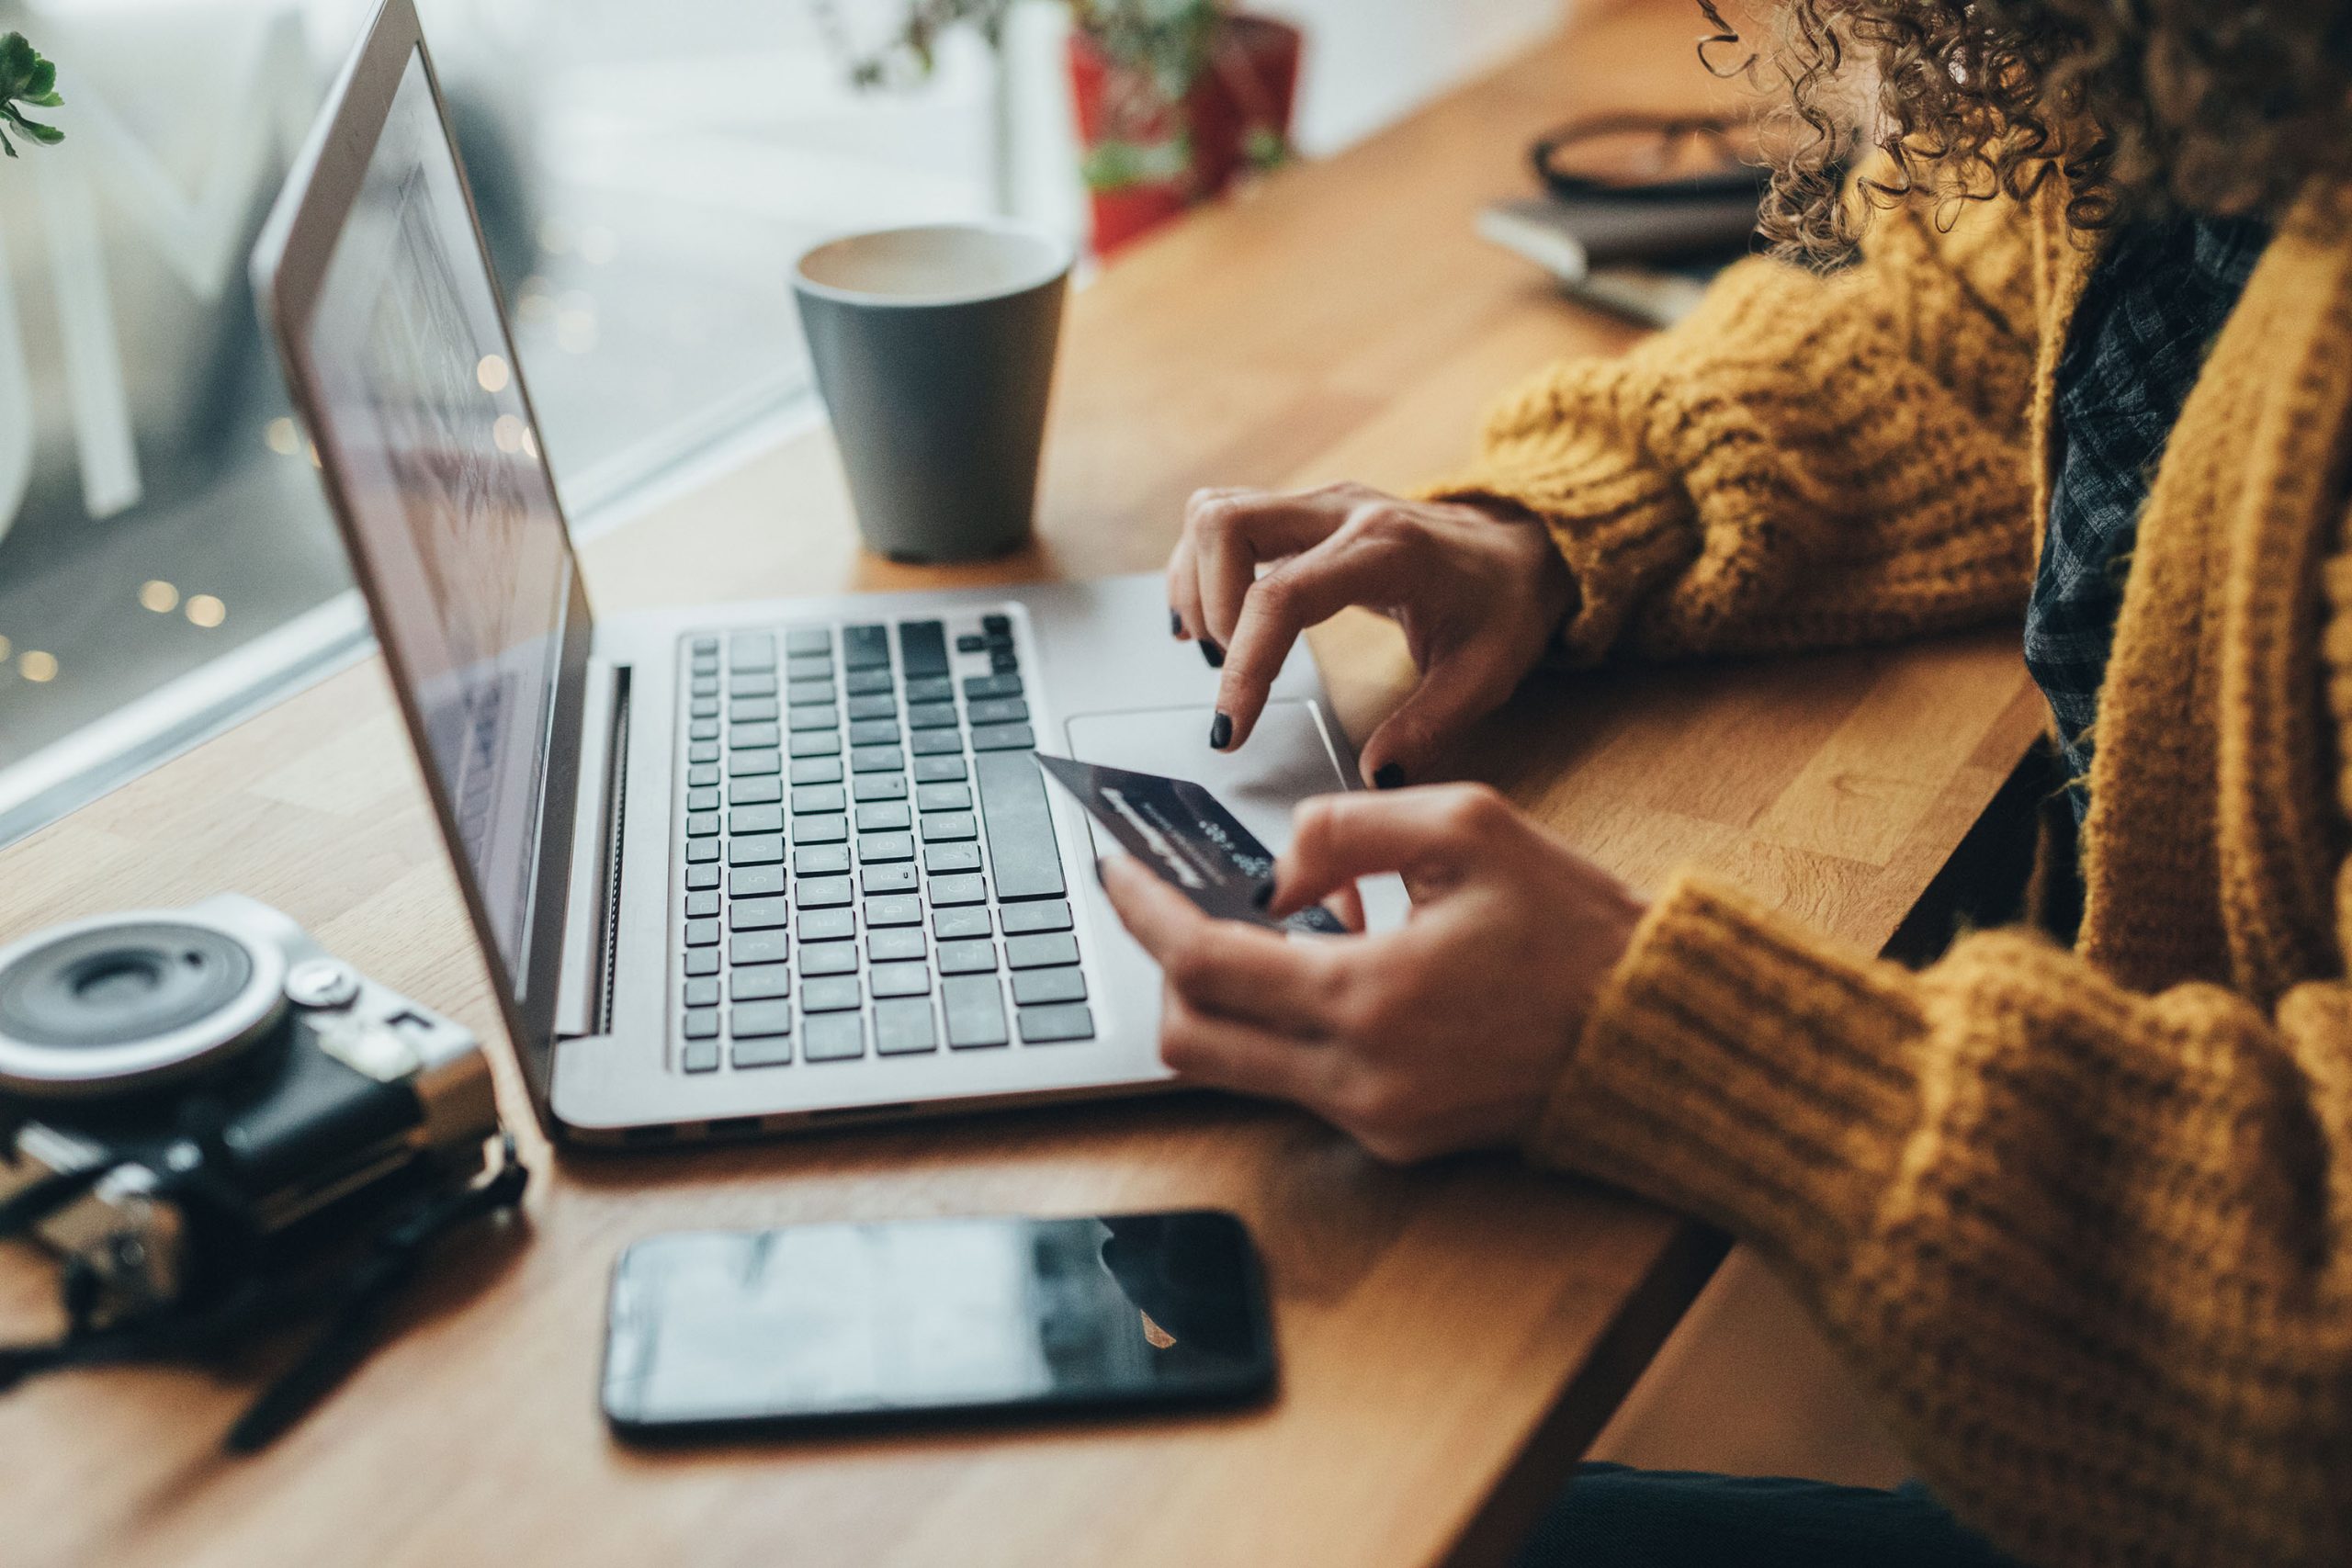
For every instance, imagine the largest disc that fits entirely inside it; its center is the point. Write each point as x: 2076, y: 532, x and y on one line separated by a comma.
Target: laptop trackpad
x: 1288, y: 758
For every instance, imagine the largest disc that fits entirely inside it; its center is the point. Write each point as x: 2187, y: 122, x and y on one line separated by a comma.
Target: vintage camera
x: 196, y: 1104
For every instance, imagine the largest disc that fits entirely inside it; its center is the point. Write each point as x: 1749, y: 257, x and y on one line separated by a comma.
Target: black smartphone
x: 825, y: 1324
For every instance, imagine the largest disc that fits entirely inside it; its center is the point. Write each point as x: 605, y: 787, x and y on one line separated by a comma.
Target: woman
x: 2081, y: 1212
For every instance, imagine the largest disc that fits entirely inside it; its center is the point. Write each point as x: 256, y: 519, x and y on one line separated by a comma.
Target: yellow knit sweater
x: 2084, y: 1219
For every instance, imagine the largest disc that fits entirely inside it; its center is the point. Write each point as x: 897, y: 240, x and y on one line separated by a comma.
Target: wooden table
x: 1451, y: 1336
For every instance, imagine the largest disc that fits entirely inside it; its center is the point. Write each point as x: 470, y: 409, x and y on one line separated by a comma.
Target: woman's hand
x: 1479, y: 595
x: 1446, y: 1034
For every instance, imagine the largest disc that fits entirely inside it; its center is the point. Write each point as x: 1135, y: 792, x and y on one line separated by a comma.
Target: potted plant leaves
x: 26, y: 80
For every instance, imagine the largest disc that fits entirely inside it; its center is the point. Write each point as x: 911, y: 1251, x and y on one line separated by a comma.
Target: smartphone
x: 826, y: 1324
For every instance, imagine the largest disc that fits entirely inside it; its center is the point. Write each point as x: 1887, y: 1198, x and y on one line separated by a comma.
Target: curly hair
x: 2142, y: 106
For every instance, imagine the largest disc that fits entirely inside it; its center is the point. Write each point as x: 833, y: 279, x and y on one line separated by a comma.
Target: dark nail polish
x: 1262, y: 896
x: 1221, y: 732
x: 1213, y: 653
x: 1175, y: 623
x: 1389, y: 776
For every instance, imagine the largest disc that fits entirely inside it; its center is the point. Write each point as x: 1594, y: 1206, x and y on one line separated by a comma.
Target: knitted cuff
x: 1735, y: 1070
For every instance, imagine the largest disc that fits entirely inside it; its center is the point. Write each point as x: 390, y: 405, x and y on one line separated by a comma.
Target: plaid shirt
x: 2150, y: 310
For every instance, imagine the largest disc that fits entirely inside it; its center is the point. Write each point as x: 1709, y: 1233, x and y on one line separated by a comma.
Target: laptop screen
x: 450, y: 509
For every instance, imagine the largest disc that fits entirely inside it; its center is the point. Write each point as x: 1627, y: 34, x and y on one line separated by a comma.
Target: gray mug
x: 934, y: 351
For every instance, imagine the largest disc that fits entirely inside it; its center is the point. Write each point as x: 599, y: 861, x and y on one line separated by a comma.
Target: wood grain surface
x: 1451, y: 1336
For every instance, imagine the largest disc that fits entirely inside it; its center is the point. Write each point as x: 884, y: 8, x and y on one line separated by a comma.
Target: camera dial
x: 119, y: 1003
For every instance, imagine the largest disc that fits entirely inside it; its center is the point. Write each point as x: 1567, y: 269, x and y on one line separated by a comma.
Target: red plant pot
x: 1251, y: 86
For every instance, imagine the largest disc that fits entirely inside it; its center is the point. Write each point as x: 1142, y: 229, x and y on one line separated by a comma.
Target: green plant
x: 29, y: 80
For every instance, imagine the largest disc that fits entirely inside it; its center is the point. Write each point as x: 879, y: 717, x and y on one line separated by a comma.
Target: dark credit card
x: 1181, y: 831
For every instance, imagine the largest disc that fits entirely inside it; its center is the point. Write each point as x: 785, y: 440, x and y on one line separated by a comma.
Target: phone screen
x: 848, y: 1322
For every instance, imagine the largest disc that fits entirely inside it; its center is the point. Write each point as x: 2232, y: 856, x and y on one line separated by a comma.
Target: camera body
x: 249, y: 1097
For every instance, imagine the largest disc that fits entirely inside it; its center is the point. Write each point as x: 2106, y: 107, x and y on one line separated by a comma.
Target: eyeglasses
x: 1635, y: 157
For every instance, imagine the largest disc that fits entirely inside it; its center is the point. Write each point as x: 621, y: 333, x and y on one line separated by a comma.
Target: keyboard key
x: 1020, y: 919
x: 756, y: 819
x: 816, y: 770
x: 922, y: 649
x: 1040, y: 952
x: 808, y: 640
x: 700, y: 905
x: 703, y: 752
x: 773, y: 1053
x: 820, y: 860
x: 943, y: 797
x: 766, y: 849
x: 749, y: 709
x: 705, y: 646
x: 938, y: 770
x: 997, y: 625
x: 760, y: 947
x: 702, y: 962
x: 831, y: 993
x: 975, y: 1011
x: 755, y: 792
x: 753, y: 764
x: 948, y: 827
x: 767, y: 982
x: 867, y: 683
x: 702, y: 775
x: 750, y: 650
x: 882, y: 816
x: 896, y: 910
x: 903, y: 1028
x: 819, y: 829
x: 809, y: 798
x: 702, y: 851
x: 878, y: 705
x: 703, y: 729
x: 974, y: 958
x: 944, y: 860
x: 760, y: 1021
x: 702, y: 993
x: 898, y: 878
x: 699, y: 1056
x: 989, y: 710
x: 825, y: 893
x: 756, y: 881
x: 704, y: 708
x: 702, y: 933
x: 753, y: 738
x: 966, y: 888
x: 827, y: 925
x: 898, y: 980
x: 1035, y: 987
x: 834, y: 1037
x: 931, y: 716
x: 1021, y: 827
x: 1002, y: 661
x: 971, y: 642
x: 828, y: 958
x: 877, y: 760
x: 702, y: 800
x: 815, y: 743
x: 896, y: 944
x: 751, y: 686
x: 702, y: 878
x: 979, y: 688
x: 808, y: 667
x: 702, y: 825
x: 1053, y: 1025
x: 881, y: 786
x: 930, y: 689
x: 937, y: 743
x: 827, y: 718
x: 866, y: 647
x: 1004, y: 737
x: 878, y: 848
x: 967, y: 921
x: 809, y: 693
x: 874, y: 732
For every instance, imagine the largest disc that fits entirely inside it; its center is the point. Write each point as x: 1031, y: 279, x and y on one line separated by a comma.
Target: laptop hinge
x: 584, y: 994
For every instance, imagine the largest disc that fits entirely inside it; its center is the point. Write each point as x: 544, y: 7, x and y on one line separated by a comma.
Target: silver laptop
x: 742, y: 867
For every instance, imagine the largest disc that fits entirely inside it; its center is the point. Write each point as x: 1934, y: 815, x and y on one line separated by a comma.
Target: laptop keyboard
x: 869, y: 859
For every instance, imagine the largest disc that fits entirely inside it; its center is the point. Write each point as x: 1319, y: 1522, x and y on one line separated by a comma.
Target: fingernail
x: 1175, y: 623
x: 1213, y: 653
x: 1389, y: 776
x: 1262, y: 896
x: 1221, y: 731
x: 1100, y: 862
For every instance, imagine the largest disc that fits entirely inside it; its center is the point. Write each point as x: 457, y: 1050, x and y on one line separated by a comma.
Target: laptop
x: 743, y: 867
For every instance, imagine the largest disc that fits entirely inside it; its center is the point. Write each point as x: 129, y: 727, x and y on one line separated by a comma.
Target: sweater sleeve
x: 1808, y: 460
x: 2093, y: 1247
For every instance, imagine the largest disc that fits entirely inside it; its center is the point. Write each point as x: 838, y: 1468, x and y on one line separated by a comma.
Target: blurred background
x: 646, y: 174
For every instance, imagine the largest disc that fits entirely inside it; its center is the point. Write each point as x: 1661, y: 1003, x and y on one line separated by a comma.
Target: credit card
x: 1185, y: 834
